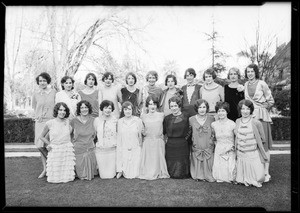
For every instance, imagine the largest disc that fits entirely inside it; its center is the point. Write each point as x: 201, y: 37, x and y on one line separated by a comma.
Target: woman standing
x: 132, y: 94
x: 258, y: 92
x: 84, y: 134
x: 61, y: 157
x: 202, y: 156
x: 234, y: 92
x: 110, y: 92
x: 153, y: 162
x: 129, y: 143
x: 224, y: 158
x: 43, y: 102
x: 68, y: 95
x: 106, y: 129
x: 90, y: 93
x: 251, y: 155
x: 176, y: 128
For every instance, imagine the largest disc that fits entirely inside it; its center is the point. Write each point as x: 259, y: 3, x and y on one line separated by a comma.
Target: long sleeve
x: 221, y: 93
x: 268, y: 95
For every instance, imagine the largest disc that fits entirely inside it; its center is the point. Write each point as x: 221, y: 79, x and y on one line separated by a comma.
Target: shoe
x: 267, y: 178
x: 119, y: 175
x: 43, y: 174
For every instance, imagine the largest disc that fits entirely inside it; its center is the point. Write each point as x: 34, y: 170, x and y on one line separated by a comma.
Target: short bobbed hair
x: 89, y: 106
x: 45, y: 76
x: 210, y: 71
x: 133, y: 75
x: 222, y: 105
x: 171, y: 76
x: 107, y: 103
x: 94, y: 77
x: 247, y: 103
x: 56, y: 108
x: 177, y: 100
x: 64, y: 79
x: 153, y: 98
x: 125, y: 105
x: 255, y: 68
x: 106, y: 76
x: 190, y: 71
x: 198, y: 103
x: 236, y: 70
x: 152, y: 72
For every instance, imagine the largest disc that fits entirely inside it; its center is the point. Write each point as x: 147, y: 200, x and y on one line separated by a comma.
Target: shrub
x: 18, y: 130
x: 283, y: 102
x: 281, y: 128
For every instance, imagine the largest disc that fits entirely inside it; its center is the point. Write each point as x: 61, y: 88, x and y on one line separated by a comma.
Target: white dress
x: 224, y: 158
x: 61, y: 158
x: 128, y: 147
x: 106, y: 146
x: 71, y: 102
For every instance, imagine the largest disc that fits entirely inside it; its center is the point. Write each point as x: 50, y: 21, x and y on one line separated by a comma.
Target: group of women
x: 149, y: 133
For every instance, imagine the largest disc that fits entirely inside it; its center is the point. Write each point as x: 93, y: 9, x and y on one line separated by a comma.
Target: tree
x: 170, y: 67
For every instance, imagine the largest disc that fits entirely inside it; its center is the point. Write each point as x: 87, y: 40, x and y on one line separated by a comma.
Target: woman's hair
x: 247, y: 103
x: 209, y: 71
x: 198, y: 103
x: 56, y: 108
x: 107, y: 103
x: 153, y: 98
x: 154, y: 73
x: 126, y: 104
x: 171, y: 76
x: 133, y: 75
x: 222, y: 105
x: 190, y: 71
x: 177, y: 100
x: 93, y: 75
x: 255, y: 68
x: 236, y: 70
x: 88, y: 105
x: 45, y: 76
x: 106, y: 76
x: 64, y: 79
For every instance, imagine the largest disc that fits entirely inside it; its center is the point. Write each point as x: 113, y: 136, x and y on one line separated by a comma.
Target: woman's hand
x: 240, y: 88
x: 48, y: 148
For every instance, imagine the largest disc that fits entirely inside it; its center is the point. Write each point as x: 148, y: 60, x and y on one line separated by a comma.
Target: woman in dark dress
x: 234, y: 93
x: 176, y: 128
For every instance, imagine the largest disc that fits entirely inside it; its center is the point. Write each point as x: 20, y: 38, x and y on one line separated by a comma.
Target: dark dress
x: 233, y: 97
x: 187, y: 106
x: 133, y: 98
x: 177, y: 149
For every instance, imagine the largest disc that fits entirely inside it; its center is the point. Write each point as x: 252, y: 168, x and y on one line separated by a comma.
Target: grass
x: 24, y: 189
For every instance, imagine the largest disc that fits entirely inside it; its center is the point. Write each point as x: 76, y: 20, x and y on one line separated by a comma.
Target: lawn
x: 24, y: 189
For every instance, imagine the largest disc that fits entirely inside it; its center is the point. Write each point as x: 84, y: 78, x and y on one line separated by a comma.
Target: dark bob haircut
x: 198, y: 103
x: 222, y: 105
x: 177, y: 100
x: 153, y: 98
x: 190, y: 71
x: 106, y: 76
x: 126, y: 104
x: 171, y: 76
x: 45, y: 76
x: 94, y: 77
x: 57, y: 106
x: 133, y: 75
x: 107, y: 103
x: 154, y: 73
x: 64, y: 79
x: 247, y: 103
x: 255, y: 68
x: 210, y: 71
x: 89, y: 106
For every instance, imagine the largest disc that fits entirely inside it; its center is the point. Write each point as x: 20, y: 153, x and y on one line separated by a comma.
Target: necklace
x: 246, y: 121
x: 251, y: 83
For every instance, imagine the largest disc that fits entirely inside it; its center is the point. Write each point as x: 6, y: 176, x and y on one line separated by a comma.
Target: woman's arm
x: 44, y: 136
x: 221, y: 93
x: 268, y: 95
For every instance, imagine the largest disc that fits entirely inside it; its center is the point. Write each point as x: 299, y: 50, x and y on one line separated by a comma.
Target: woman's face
x: 68, y: 85
x: 233, y: 76
x: 245, y: 111
x: 42, y: 82
x: 128, y: 111
x: 250, y: 73
x: 222, y: 113
x: 130, y: 80
x: 84, y: 110
x: 202, y: 109
x: 208, y: 78
x: 90, y: 82
x: 170, y: 83
x: 151, y: 80
x: 152, y: 106
x: 189, y: 78
x: 175, y: 109
x: 61, y: 112
x: 108, y: 81
x: 107, y: 110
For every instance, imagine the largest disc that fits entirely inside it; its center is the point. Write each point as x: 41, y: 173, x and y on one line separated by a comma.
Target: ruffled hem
x: 60, y: 180
x: 263, y: 114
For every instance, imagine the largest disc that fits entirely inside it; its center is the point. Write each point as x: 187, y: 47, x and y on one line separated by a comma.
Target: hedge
x: 21, y: 130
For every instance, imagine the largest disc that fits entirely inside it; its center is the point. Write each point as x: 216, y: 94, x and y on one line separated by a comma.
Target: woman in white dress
x: 68, y: 95
x: 153, y: 162
x: 129, y: 143
x: 110, y: 92
x: 106, y: 129
x: 61, y: 157
x: 224, y: 158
